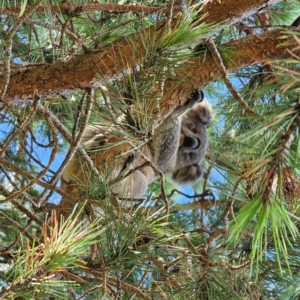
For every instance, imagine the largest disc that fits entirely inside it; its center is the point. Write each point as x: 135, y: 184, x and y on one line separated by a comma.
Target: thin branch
x: 204, y: 260
x: 26, y: 211
x: 279, y: 157
x: 94, y: 288
x: 51, y: 159
x: 73, y: 146
x: 21, y: 128
x: 231, y: 267
x: 217, y: 57
x: 27, y: 175
x: 104, y: 286
x: 200, y: 204
x: 79, y: 112
x: 97, y: 276
x: 36, y: 160
x: 7, y: 193
x: 68, y: 136
x: 140, y: 283
x: 190, y: 245
x: 16, y: 224
x: 177, y: 259
x: 8, y: 47
x: 170, y: 12
x: 17, y: 238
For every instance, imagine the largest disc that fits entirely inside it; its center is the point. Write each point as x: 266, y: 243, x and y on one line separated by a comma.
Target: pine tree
x: 65, y: 65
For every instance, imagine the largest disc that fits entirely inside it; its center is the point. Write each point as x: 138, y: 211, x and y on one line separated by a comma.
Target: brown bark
x: 68, y: 9
x: 230, y: 9
x: 62, y: 78
x: 86, y: 70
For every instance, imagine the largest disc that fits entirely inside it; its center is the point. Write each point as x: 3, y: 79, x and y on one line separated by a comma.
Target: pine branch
x: 8, y: 41
x: 119, y: 52
x: 211, y: 9
x: 67, y: 135
x: 217, y: 57
x: 76, y: 10
x: 73, y: 146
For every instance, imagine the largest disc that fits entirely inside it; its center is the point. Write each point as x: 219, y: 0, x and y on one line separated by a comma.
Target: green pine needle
x: 270, y: 224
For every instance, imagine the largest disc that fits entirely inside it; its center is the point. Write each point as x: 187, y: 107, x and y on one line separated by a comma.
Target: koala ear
x: 204, y: 111
x: 187, y: 175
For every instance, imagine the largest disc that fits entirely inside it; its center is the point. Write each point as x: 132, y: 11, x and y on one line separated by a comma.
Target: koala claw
x: 100, y: 139
x: 95, y: 143
x: 197, y: 96
x: 127, y: 160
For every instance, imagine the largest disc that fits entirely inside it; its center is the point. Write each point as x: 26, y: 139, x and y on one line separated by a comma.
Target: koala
x: 177, y: 147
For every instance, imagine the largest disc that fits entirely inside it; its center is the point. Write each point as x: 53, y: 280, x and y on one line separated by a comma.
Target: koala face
x: 193, y: 144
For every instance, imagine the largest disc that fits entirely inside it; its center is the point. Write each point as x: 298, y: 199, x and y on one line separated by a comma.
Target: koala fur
x: 177, y: 147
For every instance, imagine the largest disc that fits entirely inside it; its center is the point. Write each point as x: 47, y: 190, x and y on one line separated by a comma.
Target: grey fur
x: 177, y: 147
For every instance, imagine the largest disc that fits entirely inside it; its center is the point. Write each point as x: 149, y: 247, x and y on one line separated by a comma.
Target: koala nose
x: 191, y: 142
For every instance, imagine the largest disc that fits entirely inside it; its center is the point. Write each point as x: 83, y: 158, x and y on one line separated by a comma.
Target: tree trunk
x: 86, y: 70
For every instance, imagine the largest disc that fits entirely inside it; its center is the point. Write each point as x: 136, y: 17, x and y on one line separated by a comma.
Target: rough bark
x: 247, y: 51
x: 61, y: 78
x: 74, y: 9
x: 229, y: 10
x: 86, y: 70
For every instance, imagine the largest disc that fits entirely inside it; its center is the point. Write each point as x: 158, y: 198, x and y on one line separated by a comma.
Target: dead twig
x: 51, y: 159
x: 218, y: 60
x: 73, y: 146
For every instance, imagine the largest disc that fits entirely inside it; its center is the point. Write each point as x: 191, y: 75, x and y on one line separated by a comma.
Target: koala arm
x: 193, y: 144
x: 93, y: 137
x: 161, y: 151
x: 133, y: 185
x: 165, y: 142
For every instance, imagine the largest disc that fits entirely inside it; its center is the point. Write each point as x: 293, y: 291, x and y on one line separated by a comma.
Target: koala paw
x: 127, y: 160
x: 95, y: 143
x: 99, y: 139
x: 187, y: 175
x: 197, y: 96
x: 193, y: 98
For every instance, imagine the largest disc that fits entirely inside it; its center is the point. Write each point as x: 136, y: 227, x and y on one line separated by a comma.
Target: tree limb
x: 61, y: 78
